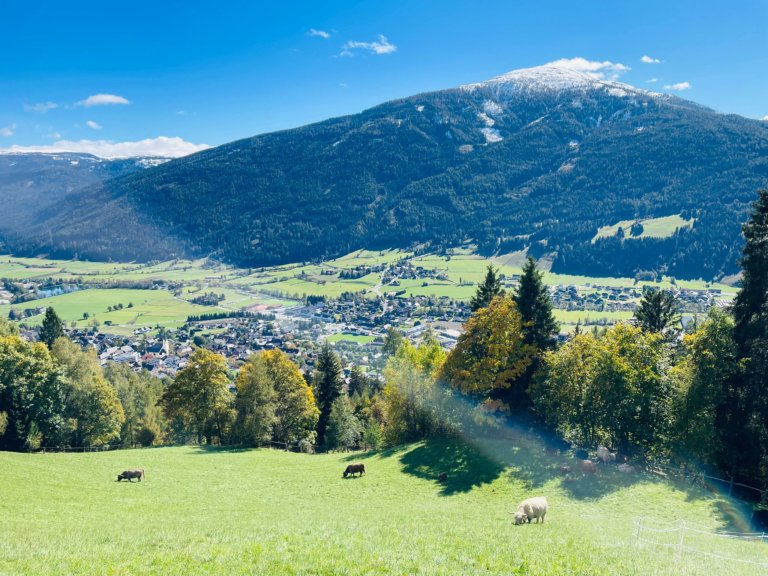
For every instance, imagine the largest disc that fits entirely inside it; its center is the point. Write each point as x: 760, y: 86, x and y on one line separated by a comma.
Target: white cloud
x: 652, y: 80
x: 40, y: 108
x: 680, y: 86
x: 764, y: 118
x: 383, y: 46
x: 54, y: 136
x: 601, y: 70
x: 8, y: 130
x: 102, y: 100
x: 648, y: 60
x: 320, y: 33
x: 94, y: 125
x: 160, y: 146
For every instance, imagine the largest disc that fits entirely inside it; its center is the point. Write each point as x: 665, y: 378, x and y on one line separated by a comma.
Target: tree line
x: 648, y: 388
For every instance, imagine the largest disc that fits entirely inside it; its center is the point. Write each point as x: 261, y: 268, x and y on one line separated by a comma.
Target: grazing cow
x: 587, y: 466
x: 442, y: 477
x: 565, y: 469
x: 131, y: 474
x: 626, y: 468
x: 530, y: 509
x: 358, y: 469
x: 605, y: 455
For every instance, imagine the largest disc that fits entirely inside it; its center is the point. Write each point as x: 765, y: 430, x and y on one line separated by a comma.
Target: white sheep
x: 605, y: 455
x: 530, y: 509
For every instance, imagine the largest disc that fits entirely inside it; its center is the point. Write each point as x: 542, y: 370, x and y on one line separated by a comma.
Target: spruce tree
x: 657, y: 311
x: 487, y: 291
x: 328, y: 387
x: 532, y: 298
x: 745, y: 414
x: 52, y: 328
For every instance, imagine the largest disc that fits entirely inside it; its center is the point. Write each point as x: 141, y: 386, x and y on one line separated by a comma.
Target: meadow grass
x: 356, y: 338
x: 264, y: 511
x: 150, y: 307
x: 663, y: 227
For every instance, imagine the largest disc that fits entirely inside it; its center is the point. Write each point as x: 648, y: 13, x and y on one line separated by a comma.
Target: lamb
x: 605, y: 455
x: 530, y: 509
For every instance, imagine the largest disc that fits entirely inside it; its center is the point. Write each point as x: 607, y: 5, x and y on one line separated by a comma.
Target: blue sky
x: 213, y: 72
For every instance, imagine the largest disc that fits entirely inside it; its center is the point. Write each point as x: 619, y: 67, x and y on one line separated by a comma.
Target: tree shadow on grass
x: 465, y: 467
x: 386, y: 453
x: 209, y: 449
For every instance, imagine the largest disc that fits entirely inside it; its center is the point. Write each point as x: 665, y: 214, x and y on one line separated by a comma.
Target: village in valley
x: 350, y: 303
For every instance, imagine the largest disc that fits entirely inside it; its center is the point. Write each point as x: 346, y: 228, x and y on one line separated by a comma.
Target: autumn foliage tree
x: 199, y: 396
x: 92, y: 408
x: 416, y: 406
x: 613, y: 389
x: 31, y: 395
x: 274, y: 400
x: 491, y: 354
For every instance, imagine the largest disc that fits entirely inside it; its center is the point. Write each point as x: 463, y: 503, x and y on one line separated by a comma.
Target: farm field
x: 459, y: 272
x: 149, y: 308
x: 271, y: 512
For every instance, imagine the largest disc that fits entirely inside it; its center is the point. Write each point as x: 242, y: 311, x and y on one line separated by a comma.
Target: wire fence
x: 683, y: 540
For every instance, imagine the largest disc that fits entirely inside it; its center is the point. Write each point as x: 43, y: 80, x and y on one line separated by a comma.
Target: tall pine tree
x: 52, y: 328
x: 328, y: 387
x: 535, y: 306
x: 488, y: 290
x: 745, y: 414
x: 658, y: 311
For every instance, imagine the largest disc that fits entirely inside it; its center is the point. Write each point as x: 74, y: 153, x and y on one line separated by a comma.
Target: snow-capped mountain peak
x: 550, y: 77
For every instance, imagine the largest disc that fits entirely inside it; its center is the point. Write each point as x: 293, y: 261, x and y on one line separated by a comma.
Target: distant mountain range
x: 537, y: 159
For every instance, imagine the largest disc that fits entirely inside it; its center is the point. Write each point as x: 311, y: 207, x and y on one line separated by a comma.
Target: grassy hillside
x: 270, y: 512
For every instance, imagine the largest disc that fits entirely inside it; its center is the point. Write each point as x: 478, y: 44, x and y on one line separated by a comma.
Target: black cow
x: 131, y: 474
x: 355, y: 469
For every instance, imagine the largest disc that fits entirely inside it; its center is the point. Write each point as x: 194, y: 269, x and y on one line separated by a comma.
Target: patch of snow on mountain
x: 550, y: 78
x: 150, y: 162
x: 420, y: 108
x: 491, y: 135
x: 485, y: 119
x: 491, y: 107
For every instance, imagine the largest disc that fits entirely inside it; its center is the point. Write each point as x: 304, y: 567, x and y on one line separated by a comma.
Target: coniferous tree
x: 746, y: 410
x: 657, y: 311
x: 52, y: 328
x: 358, y: 382
x: 488, y: 290
x: 535, y: 306
x: 328, y: 387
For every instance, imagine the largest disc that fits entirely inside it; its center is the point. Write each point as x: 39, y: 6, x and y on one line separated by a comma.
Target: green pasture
x: 663, y: 227
x: 589, y: 317
x: 150, y: 307
x: 265, y: 511
x: 356, y: 338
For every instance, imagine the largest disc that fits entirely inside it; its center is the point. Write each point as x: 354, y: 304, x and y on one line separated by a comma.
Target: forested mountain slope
x: 538, y: 158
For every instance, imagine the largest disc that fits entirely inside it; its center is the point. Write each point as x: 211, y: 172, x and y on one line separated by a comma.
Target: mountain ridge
x: 540, y: 169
